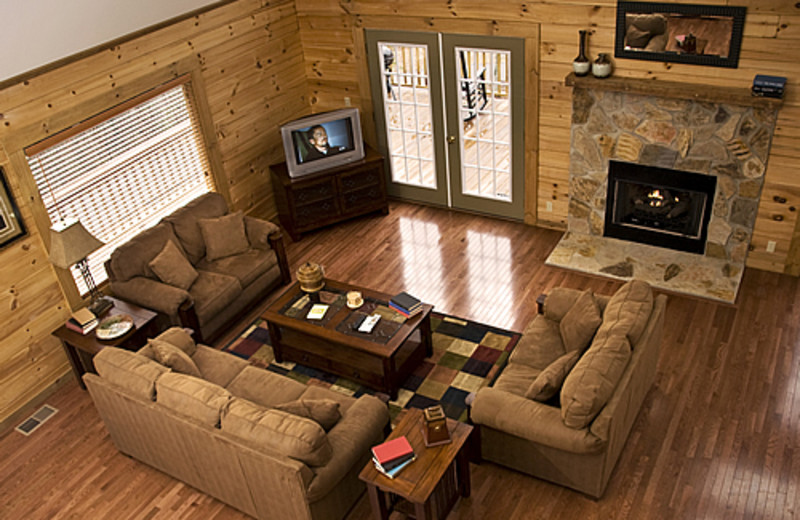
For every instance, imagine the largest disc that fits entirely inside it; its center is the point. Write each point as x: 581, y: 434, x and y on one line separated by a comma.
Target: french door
x: 448, y: 111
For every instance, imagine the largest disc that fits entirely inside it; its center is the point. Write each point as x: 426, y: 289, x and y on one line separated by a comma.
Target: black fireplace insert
x: 659, y: 206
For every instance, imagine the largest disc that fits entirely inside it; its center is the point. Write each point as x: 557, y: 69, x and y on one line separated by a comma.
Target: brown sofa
x: 251, y: 438
x: 217, y: 265
x: 564, y: 405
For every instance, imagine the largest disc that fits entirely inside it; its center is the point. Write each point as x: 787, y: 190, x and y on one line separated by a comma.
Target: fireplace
x: 659, y: 206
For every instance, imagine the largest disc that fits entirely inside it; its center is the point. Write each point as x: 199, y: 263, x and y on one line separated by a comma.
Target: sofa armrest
x: 152, y: 294
x: 558, y: 301
x: 357, y: 431
x: 258, y: 230
x: 530, y: 420
x: 277, y: 244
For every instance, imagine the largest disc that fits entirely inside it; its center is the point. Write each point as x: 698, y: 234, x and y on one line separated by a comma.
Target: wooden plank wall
x: 248, y: 60
x: 332, y: 35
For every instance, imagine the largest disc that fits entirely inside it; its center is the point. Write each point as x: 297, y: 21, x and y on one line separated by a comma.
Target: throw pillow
x: 172, y: 268
x: 636, y: 37
x: 171, y: 356
x: 579, y: 324
x: 224, y: 236
x: 549, y: 381
x: 325, y: 412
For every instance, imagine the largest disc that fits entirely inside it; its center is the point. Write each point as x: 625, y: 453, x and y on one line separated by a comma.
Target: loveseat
x: 200, y: 267
x: 261, y: 442
x: 564, y: 405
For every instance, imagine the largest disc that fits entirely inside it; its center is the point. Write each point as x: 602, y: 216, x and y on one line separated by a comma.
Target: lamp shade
x: 70, y: 243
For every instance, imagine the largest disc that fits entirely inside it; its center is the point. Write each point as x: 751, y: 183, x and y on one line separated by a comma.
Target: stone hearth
x: 730, y: 141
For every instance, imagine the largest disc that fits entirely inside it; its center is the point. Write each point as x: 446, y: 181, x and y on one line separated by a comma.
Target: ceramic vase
x: 601, y: 68
x: 581, y: 65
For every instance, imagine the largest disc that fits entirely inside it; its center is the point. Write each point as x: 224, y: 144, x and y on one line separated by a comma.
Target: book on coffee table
x: 317, y: 311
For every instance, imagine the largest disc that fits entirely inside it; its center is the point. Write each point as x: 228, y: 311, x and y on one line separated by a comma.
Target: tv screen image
x: 323, y: 140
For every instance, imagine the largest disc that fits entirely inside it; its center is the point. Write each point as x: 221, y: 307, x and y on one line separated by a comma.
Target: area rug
x: 466, y: 357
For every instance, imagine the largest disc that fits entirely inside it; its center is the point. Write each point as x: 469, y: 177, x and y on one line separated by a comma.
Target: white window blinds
x: 121, y: 171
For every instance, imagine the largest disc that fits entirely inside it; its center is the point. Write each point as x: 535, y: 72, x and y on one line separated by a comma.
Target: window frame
x: 184, y: 70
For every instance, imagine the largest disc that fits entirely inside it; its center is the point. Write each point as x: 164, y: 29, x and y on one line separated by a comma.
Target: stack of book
x: 406, y: 304
x: 392, y: 456
x: 769, y: 86
x: 82, y: 321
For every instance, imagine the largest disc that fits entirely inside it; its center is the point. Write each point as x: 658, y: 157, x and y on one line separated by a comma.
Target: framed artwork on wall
x: 11, y: 225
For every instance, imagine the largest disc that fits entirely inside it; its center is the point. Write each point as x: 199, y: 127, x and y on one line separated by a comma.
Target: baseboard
x: 8, y: 424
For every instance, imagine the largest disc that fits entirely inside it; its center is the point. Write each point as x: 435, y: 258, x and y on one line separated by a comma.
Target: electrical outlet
x: 548, y: 206
x: 347, y: 101
x: 770, y: 246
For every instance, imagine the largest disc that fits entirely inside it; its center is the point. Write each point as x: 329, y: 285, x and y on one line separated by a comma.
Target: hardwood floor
x: 718, y: 436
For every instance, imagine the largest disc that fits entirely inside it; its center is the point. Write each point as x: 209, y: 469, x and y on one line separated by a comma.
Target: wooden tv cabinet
x: 326, y: 197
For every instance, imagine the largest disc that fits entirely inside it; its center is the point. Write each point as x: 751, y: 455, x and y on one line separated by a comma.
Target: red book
x: 391, y: 450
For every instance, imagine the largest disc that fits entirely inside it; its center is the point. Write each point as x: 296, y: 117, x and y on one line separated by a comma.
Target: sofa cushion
x: 579, y: 324
x: 217, y: 366
x: 212, y: 292
x: 246, y: 267
x: 171, y: 267
x: 324, y: 412
x: 540, y: 344
x: 132, y: 258
x: 296, y: 437
x: 179, y: 337
x: 627, y: 312
x: 173, y: 357
x: 184, y: 222
x: 224, y: 236
x: 516, y: 378
x: 558, y: 301
x: 196, y: 398
x: 265, y: 388
x: 548, y: 383
x: 129, y: 370
x: 589, y: 385
x: 314, y: 392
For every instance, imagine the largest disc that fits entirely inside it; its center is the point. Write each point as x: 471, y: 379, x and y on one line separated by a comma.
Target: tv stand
x: 329, y: 196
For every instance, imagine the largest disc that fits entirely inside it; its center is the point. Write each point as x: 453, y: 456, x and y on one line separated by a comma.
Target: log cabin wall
x: 247, y: 65
x: 332, y: 36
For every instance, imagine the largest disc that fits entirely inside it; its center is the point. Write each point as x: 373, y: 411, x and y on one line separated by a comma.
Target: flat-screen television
x: 322, y: 141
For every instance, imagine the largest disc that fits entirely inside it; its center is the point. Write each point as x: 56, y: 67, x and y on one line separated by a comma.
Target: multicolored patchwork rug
x: 466, y: 357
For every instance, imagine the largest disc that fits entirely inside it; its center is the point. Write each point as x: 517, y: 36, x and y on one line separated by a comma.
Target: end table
x: 433, y: 482
x: 80, y: 348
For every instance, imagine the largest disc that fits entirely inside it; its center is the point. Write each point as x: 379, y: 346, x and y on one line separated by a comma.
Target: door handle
x: 451, y: 139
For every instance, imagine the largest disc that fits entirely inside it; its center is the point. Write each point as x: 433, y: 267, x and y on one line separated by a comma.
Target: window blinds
x: 123, y: 170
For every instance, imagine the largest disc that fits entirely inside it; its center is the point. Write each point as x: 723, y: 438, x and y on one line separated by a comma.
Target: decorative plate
x: 114, y: 327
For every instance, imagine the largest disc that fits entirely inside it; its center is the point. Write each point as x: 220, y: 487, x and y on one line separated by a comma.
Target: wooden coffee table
x: 380, y: 360
x: 433, y: 482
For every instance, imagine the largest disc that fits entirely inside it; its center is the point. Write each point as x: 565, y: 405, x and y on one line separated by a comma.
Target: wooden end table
x: 81, y: 348
x: 433, y: 482
x: 381, y: 363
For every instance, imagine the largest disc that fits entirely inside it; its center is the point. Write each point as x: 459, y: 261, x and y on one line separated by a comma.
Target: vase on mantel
x: 581, y: 64
x: 601, y: 68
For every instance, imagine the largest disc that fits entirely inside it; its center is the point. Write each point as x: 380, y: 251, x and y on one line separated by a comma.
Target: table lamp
x: 71, y: 244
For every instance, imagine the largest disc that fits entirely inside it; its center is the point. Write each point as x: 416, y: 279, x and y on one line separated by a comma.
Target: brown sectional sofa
x: 572, y: 433
x: 223, y: 262
x: 263, y: 443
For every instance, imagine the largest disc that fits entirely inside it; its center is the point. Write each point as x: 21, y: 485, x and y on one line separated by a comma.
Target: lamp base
x: 100, y: 306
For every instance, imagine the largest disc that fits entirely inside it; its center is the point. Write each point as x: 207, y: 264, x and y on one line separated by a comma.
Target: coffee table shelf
x: 367, y: 359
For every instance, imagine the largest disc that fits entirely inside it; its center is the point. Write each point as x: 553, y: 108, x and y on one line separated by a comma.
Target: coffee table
x: 380, y: 360
x: 433, y: 482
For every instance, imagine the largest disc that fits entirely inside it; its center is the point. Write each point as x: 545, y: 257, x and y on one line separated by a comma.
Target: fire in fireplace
x: 659, y: 206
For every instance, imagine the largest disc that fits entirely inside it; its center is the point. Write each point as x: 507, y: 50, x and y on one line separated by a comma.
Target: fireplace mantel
x: 673, y: 89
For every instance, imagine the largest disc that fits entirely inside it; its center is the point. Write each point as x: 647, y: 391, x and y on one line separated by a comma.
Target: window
x: 124, y: 169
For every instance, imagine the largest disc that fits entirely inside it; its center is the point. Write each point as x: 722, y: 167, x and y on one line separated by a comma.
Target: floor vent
x: 30, y: 424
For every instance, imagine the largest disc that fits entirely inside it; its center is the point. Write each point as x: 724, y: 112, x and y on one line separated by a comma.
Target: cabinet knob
x: 451, y: 139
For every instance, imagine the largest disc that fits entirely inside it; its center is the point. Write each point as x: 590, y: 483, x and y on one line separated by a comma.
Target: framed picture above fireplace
x: 679, y: 33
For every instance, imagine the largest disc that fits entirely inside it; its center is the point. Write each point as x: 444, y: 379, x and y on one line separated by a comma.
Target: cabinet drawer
x: 314, y: 192
x: 311, y: 213
x: 358, y: 180
x: 372, y: 196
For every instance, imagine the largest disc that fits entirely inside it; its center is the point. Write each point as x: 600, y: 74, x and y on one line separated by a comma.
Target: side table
x: 81, y: 348
x: 433, y: 482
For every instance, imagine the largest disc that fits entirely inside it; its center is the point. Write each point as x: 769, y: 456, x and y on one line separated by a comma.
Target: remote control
x: 369, y: 323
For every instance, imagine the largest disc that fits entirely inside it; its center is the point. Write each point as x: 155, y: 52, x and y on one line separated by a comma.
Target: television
x: 321, y: 141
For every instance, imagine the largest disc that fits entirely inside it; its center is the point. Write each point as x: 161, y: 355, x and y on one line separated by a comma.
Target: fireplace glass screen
x: 659, y: 206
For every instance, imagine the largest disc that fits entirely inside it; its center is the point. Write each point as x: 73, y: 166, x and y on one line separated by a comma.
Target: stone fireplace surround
x: 717, y: 131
